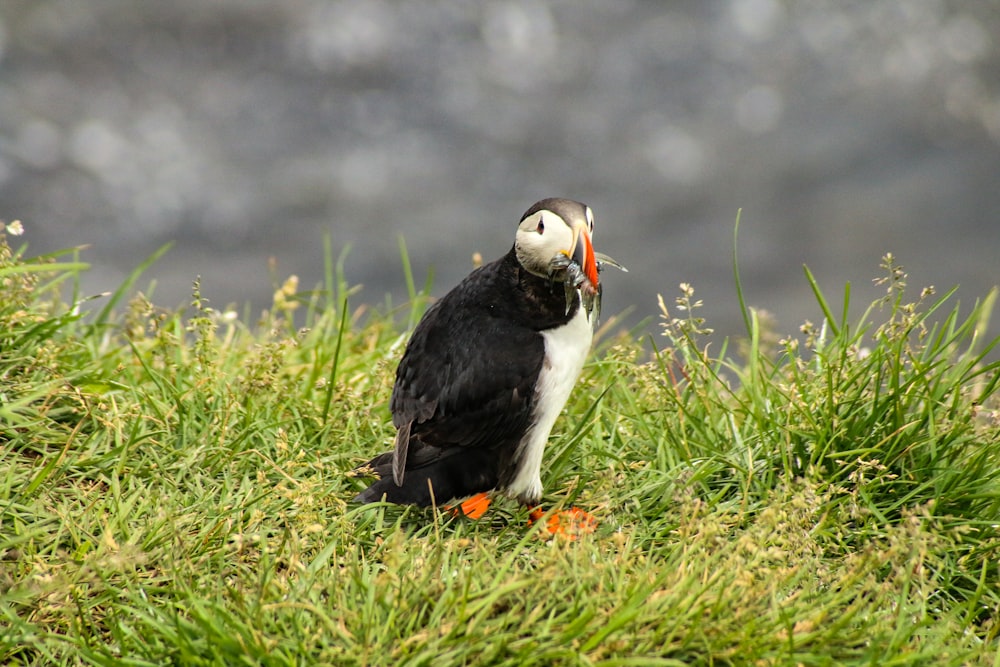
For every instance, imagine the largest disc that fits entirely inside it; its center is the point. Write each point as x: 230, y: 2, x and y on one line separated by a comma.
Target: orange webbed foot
x: 570, y: 524
x: 473, y: 508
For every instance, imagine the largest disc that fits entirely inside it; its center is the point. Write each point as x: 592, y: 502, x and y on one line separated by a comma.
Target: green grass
x: 174, y: 489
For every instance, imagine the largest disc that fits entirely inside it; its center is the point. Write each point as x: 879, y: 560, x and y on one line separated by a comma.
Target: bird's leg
x: 473, y: 508
x: 571, y: 523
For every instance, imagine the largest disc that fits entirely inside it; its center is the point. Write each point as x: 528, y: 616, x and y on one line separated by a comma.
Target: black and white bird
x: 490, y: 366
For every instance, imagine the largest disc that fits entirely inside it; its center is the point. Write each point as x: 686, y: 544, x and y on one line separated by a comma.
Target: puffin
x: 489, y: 368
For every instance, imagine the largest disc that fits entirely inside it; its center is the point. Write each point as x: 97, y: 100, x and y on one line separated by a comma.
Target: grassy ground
x: 174, y: 489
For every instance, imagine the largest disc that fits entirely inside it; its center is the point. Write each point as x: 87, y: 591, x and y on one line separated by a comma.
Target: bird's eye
x: 540, y: 228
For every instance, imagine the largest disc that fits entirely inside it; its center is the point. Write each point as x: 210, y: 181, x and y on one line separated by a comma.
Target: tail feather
x: 454, y: 472
x: 400, y: 451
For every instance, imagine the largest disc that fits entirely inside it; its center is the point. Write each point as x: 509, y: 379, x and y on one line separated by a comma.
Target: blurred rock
x: 248, y: 130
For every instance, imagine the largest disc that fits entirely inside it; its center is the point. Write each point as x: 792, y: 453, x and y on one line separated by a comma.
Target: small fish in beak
x: 576, y: 280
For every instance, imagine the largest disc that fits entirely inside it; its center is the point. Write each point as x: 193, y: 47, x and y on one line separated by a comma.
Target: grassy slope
x: 173, y: 490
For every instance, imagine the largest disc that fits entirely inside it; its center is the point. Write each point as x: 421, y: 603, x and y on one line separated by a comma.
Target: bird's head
x: 555, y: 233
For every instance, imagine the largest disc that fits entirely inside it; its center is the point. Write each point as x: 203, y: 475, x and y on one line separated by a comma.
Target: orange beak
x: 582, y: 253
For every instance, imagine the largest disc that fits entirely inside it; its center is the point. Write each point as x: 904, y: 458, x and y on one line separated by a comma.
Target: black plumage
x: 465, y: 394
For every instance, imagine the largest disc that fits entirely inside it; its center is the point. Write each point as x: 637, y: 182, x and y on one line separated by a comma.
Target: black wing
x: 467, y: 378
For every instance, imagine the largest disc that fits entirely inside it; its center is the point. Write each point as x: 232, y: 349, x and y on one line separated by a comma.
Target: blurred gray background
x: 249, y: 129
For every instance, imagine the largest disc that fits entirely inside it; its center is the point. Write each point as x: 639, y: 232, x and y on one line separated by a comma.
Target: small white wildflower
x: 15, y: 228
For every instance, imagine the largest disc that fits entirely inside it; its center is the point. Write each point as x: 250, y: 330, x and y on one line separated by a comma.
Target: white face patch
x: 540, y: 237
x: 566, y: 349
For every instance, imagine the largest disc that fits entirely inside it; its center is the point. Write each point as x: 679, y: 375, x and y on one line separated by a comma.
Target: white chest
x: 566, y: 349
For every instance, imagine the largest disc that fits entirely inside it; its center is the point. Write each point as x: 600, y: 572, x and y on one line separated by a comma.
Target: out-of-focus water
x: 248, y: 130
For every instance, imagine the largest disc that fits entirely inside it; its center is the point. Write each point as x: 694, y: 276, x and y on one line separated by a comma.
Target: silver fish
x: 575, y: 282
x: 603, y: 259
